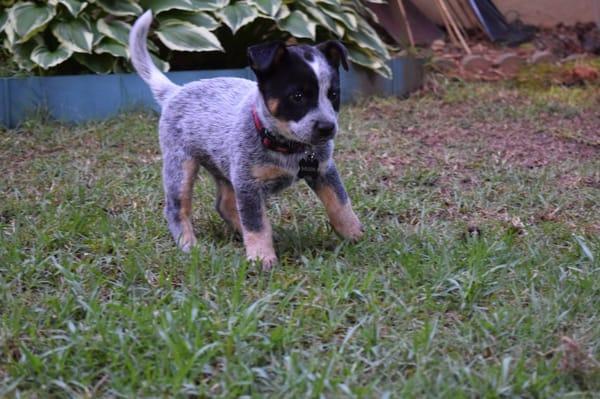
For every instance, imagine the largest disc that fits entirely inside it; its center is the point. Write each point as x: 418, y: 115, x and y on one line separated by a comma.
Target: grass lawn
x: 479, y: 275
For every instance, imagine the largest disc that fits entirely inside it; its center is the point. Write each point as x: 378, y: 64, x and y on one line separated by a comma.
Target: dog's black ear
x: 262, y: 57
x: 335, y: 52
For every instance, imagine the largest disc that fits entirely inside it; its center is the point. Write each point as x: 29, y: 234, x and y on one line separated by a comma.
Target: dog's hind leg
x: 179, y: 174
x: 226, y: 205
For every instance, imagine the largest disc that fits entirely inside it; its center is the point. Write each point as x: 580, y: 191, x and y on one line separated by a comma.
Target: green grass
x: 474, y: 267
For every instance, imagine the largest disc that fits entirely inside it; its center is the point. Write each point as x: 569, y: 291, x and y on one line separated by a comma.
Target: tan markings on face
x: 284, y: 128
x: 259, y: 244
x: 273, y: 105
x: 268, y: 172
x: 342, y: 217
x: 228, y: 207
x: 190, y: 169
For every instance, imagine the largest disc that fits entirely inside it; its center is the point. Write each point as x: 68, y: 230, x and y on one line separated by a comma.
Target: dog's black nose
x: 325, y: 129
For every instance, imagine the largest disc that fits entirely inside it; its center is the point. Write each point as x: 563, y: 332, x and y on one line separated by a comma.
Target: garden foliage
x: 66, y: 36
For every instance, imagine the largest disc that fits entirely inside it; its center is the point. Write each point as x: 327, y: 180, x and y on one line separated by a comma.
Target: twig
x: 408, y: 28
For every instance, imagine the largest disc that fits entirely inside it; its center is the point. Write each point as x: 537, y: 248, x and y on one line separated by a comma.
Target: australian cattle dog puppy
x: 255, y: 138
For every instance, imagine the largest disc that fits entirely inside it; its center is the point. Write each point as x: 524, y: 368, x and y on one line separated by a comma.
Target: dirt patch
x: 495, y: 129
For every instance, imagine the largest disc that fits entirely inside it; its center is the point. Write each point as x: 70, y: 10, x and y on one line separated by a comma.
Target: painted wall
x: 546, y: 13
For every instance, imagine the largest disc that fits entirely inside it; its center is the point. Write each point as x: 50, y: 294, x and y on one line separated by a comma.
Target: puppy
x: 255, y: 138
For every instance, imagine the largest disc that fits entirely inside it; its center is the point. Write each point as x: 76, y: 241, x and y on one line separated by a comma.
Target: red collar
x: 273, y: 141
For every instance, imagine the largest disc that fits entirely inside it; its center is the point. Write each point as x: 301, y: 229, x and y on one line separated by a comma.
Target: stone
x: 542, y: 56
x: 575, y: 57
x: 475, y: 63
x: 444, y: 64
x: 509, y: 63
x: 438, y: 45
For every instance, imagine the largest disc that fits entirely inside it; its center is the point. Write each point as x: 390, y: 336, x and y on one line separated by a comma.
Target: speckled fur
x: 210, y: 122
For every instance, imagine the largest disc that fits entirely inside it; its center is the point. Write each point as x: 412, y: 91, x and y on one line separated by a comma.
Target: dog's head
x: 300, y: 86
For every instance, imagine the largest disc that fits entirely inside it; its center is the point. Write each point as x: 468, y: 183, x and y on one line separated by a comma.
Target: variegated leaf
x: 75, y: 34
x: 21, y: 53
x: 364, y: 58
x: 324, y: 20
x: 298, y: 24
x: 237, y: 15
x: 120, y: 8
x: 184, y: 36
x: 347, y: 19
x: 111, y: 46
x: 98, y: 63
x: 3, y: 19
x: 27, y: 19
x: 74, y: 6
x: 46, y: 58
x: 159, y: 6
x: 196, y: 18
x: 115, y: 29
x: 160, y: 63
x: 268, y: 7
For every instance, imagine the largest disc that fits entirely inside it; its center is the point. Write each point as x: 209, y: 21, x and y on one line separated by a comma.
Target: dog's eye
x: 297, y: 97
x: 332, y: 94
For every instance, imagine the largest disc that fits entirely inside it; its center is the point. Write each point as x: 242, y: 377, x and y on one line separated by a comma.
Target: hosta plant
x: 71, y: 36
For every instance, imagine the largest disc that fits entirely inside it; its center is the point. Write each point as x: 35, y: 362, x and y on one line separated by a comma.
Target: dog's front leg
x: 330, y: 190
x: 256, y: 228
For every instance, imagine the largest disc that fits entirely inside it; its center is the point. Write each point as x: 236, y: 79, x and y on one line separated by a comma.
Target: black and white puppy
x: 254, y: 138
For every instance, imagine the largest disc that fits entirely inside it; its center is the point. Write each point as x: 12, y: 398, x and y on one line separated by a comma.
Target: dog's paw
x: 349, y: 228
x: 354, y: 232
x: 187, y: 243
x: 266, y: 261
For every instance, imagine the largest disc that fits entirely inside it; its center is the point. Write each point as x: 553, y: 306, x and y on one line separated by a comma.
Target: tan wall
x: 535, y: 12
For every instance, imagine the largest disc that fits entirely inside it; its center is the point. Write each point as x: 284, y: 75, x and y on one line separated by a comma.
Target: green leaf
x: 324, y: 20
x: 269, y: 7
x: 160, y: 63
x: 282, y: 13
x: 367, y: 37
x: 47, y: 58
x: 209, y: 5
x: 159, y: 6
x: 363, y: 57
x: 97, y: 63
x: 333, y: 3
x: 3, y: 19
x: 75, y: 34
x: 369, y: 60
x: 120, y: 8
x: 28, y: 19
x: 74, y: 6
x: 22, y: 53
x: 184, y: 36
x: 298, y: 24
x: 10, y: 36
x: 115, y: 29
x: 195, y: 18
x: 347, y: 19
x: 111, y: 46
x: 237, y: 15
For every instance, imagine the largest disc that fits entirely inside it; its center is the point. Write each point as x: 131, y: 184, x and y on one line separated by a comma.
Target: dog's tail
x: 161, y: 86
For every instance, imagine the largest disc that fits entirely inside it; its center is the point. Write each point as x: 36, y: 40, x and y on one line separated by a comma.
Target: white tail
x: 160, y: 85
